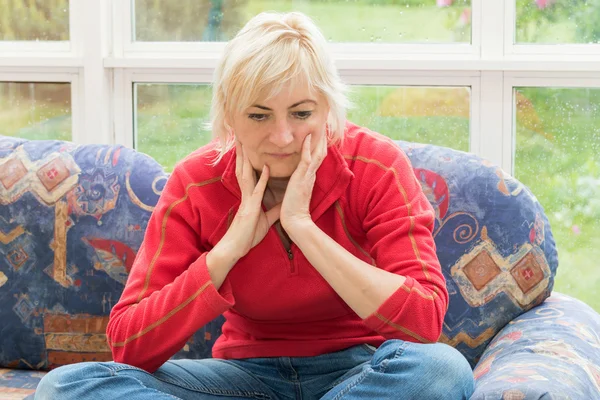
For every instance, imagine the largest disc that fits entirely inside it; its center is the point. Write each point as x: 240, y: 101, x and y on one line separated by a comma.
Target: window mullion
x: 93, y: 36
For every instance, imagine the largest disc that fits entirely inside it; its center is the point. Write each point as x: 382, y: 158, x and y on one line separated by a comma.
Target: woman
x: 310, y: 234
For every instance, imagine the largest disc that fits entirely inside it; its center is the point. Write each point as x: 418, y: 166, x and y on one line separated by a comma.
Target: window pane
x: 558, y: 157
x: 433, y: 115
x: 170, y: 118
x: 558, y: 22
x: 35, y: 110
x: 34, y: 20
x: 380, y: 21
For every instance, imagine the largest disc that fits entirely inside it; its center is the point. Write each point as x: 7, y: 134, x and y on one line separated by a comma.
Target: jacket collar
x: 333, y: 177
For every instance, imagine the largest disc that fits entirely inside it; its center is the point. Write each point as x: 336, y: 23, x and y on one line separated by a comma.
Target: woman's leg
x: 176, y: 379
x: 405, y: 370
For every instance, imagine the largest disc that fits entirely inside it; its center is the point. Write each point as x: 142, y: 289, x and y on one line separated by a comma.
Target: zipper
x: 289, y: 253
x: 291, y: 258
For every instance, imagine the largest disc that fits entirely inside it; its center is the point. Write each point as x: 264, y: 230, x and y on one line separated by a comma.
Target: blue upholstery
x: 493, y: 241
x: 550, y: 352
x: 72, y: 218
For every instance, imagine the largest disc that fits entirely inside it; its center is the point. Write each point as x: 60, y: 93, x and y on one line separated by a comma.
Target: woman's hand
x: 250, y: 224
x: 295, y: 208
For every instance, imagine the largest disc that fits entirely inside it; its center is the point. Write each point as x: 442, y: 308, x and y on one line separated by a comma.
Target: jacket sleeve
x: 168, y: 295
x: 398, y: 221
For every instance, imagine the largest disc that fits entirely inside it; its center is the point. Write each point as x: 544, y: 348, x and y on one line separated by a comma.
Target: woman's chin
x: 281, y: 171
x: 277, y: 173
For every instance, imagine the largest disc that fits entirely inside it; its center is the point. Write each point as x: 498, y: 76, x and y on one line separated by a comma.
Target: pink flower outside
x: 542, y: 3
x: 444, y: 3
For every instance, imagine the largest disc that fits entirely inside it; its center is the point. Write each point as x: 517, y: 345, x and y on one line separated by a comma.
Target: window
x: 514, y: 81
x: 558, y: 22
x: 35, y: 110
x: 558, y: 158
x: 170, y: 118
x: 381, y: 21
x: 34, y: 20
x: 435, y: 115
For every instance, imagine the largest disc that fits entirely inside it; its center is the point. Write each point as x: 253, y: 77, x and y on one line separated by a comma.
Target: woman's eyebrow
x: 292, y: 106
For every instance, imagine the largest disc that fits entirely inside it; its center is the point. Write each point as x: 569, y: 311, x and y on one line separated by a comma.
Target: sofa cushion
x: 18, y: 384
x: 72, y: 218
x: 493, y: 241
x: 71, y: 221
x: 550, y: 352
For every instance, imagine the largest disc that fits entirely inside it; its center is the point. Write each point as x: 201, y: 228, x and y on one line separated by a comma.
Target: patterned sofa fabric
x: 73, y: 217
x: 550, y: 352
x: 493, y: 240
x: 18, y: 384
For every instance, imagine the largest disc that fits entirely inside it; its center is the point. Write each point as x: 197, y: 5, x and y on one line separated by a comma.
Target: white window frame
x: 102, y: 63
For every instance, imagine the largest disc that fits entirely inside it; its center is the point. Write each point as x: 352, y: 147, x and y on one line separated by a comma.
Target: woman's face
x: 272, y: 131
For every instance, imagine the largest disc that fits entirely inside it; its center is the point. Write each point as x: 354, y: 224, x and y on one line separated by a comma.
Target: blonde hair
x: 271, y: 50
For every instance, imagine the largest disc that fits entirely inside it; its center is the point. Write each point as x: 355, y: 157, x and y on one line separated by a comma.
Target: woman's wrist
x: 300, y: 229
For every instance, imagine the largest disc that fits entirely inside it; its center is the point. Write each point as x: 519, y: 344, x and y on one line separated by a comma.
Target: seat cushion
x: 550, y: 352
x: 74, y: 216
x: 18, y: 384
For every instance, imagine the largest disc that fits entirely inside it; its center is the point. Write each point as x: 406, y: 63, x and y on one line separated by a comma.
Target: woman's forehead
x: 289, y: 92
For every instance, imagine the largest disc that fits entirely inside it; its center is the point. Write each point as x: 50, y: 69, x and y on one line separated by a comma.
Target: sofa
x: 73, y: 216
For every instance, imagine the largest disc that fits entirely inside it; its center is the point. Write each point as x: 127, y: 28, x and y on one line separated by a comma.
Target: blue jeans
x: 396, y: 370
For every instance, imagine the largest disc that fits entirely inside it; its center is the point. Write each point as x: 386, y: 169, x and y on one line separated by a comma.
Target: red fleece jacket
x: 366, y: 197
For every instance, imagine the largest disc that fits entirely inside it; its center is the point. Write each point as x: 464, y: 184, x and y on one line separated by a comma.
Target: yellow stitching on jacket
x: 407, y: 289
x: 163, y: 319
x: 408, y: 206
x: 164, y: 229
x: 402, y: 329
x: 420, y: 293
x: 341, y: 213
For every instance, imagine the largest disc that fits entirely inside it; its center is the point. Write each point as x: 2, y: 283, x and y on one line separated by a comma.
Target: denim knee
x: 55, y: 383
x: 453, y: 378
x: 425, y: 371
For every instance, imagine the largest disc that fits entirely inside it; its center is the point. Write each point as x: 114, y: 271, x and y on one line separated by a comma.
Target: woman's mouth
x: 280, y: 155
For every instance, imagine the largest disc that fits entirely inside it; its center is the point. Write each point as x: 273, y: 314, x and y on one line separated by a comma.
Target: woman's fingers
x: 318, y: 156
x: 260, y: 187
x: 244, y: 171
x: 239, y: 160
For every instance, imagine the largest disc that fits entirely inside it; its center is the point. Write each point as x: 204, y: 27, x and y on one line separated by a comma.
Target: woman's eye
x: 302, y: 114
x: 258, y: 117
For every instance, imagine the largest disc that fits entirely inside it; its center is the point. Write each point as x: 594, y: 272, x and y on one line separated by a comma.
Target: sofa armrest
x: 550, y: 352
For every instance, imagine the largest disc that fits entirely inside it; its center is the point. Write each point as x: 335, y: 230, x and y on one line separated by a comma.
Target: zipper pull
x: 290, y: 255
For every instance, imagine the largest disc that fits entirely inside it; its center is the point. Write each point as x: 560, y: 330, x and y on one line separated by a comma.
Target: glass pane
x: 558, y: 21
x: 170, y: 118
x: 432, y: 115
x: 34, y: 20
x: 558, y: 157
x: 380, y: 21
x: 35, y: 110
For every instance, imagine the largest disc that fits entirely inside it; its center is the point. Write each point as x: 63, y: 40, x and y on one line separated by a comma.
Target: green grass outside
x: 356, y: 22
x: 564, y: 174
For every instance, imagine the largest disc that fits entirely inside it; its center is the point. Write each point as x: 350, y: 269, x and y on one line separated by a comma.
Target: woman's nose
x: 281, y: 134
